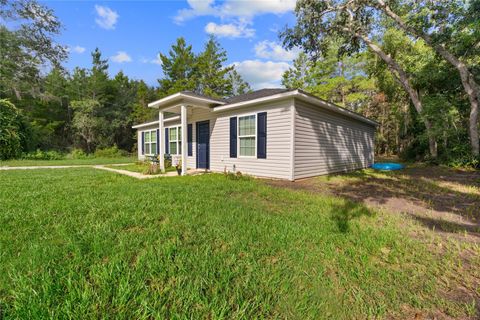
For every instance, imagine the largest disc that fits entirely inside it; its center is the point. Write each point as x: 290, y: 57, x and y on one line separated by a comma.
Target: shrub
x: 151, y: 169
x: 77, y: 154
x: 111, y: 152
x: 11, y: 130
x: 43, y: 155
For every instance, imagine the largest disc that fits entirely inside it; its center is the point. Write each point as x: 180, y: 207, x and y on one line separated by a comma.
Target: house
x: 274, y: 133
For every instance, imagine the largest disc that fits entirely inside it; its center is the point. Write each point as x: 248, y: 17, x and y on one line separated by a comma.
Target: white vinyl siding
x: 327, y: 142
x: 278, y: 161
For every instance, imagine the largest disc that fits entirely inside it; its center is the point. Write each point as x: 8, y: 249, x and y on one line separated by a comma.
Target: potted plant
x: 179, y: 167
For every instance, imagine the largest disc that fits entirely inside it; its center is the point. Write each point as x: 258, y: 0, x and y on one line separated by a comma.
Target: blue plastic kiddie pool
x: 387, y: 166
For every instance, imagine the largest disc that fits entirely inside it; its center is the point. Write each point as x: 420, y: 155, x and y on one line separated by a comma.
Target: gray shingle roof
x: 239, y: 98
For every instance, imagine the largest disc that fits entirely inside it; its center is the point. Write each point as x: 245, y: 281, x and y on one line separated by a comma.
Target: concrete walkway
x: 132, y: 174
x: 137, y: 175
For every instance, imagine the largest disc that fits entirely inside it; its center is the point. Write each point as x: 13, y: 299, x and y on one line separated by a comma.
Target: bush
x: 111, y: 152
x: 11, y: 130
x: 77, y: 154
x: 151, y: 169
x: 43, y: 155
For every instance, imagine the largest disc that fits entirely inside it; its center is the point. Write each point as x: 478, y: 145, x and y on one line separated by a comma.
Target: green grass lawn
x: 85, y: 243
x: 88, y: 161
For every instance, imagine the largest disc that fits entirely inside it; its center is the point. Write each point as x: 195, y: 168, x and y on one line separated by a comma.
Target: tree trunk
x: 403, y: 79
x: 467, y: 78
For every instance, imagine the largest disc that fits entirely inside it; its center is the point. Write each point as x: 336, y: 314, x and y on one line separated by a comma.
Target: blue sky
x: 132, y: 33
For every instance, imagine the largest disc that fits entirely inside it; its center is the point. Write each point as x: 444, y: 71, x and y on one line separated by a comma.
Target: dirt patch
x: 442, y: 200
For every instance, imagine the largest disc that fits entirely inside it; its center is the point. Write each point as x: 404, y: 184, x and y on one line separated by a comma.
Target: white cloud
x: 274, y: 51
x: 261, y: 74
x: 230, y: 30
x: 156, y: 60
x: 121, y: 57
x: 234, y: 8
x: 76, y: 49
x: 106, y: 17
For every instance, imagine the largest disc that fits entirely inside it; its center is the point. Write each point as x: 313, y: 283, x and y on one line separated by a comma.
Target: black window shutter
x: 158, y: 141
x: 262, y: 135
x: 233, y: 137
x: 143, y: 142
x: 167, y: 146
x: 190, y: 139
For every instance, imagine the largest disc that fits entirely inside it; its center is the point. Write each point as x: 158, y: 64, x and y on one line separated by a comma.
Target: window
x: 150, y: 142
x: 247, y: 135
x: 175, y: 140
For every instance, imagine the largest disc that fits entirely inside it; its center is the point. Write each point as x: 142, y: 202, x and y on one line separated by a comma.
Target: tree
x: 351, y: 24
x: 341, y: 81
x: 435, y: 17
x: 86, y: 123
x: 11, y: 130
x: 300, y: 75
x: 27, y: 46
x: 237, y: 84
x: 212, y: 77
x: 178, y: 69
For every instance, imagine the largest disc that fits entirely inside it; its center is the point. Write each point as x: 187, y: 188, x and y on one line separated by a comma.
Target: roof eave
x: 180, y: 97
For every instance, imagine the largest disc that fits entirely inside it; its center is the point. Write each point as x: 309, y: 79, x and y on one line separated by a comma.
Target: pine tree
x: 178, y: 69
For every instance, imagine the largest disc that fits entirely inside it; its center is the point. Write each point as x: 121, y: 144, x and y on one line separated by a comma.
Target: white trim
x: 184, y: 140
x: 292, y: 145
x: 181, y: 95
x: 161, y: 140
x: 179, y: 128
x: 149, y: 143
x: 247, y: 136
x: 298, y: 95
x: 146, y: 124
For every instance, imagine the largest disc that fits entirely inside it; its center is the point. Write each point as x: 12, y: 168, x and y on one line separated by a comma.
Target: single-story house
x: 274, y: 133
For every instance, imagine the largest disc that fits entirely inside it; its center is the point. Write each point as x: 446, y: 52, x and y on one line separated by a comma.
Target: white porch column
x: 183, y: 117
x: 161, y: 139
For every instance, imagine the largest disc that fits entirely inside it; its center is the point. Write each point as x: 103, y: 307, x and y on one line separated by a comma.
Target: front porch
x: 184, y: 104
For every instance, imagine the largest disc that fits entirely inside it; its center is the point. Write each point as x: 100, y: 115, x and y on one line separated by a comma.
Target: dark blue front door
x: 203, y: 145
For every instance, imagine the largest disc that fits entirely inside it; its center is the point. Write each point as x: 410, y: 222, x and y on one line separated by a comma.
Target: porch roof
x: 186, y: 98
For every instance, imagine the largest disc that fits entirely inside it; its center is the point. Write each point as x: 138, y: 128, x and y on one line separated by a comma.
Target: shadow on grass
x: 433, y: 196
x: 343, y: 214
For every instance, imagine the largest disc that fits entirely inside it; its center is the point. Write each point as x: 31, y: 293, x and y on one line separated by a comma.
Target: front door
x: 203, y: 145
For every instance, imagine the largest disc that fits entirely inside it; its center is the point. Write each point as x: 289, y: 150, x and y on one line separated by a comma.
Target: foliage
x: 204, y: 73
x: 12, y: 131
x: 43, y: 155
x: 341, y: 81
x: 151, y: 168
x: 26, y: 47
x: 77, y: 154
x: 110, y: 152
x: 399, y: 78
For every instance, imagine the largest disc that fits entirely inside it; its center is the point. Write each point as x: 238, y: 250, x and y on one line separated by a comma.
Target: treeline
x: 414, y: 66
x: 87, y: 109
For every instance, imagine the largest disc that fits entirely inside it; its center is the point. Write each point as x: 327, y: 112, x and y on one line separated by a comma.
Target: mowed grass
x: 85, y: 243
x: 64, y: 162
